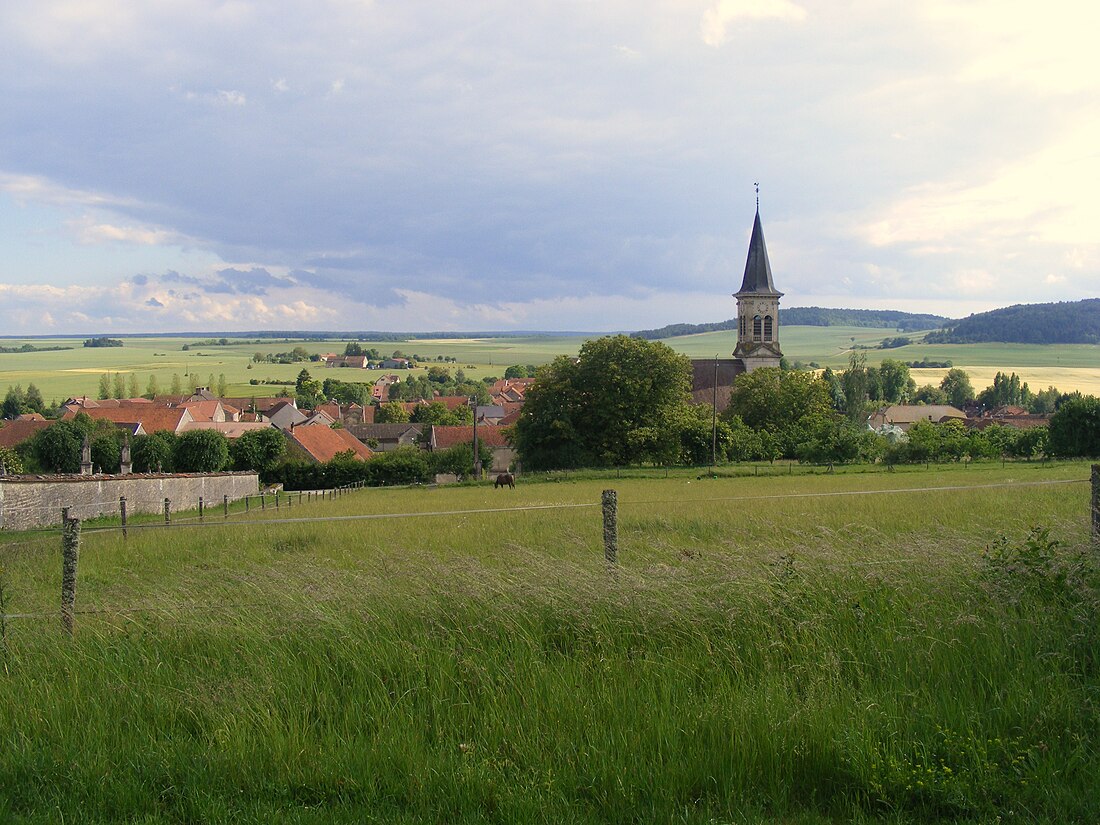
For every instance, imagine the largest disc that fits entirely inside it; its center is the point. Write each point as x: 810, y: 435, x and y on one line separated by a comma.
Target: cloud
x: 355, y: 155
x: 716, y: 20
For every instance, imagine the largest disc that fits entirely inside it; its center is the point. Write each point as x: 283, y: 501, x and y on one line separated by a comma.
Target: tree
x: 785, y: 404
x: 155, y: 453
x: 152, y: 388
x: 177, y: 385
x: 620, y: 402
x: 132, y: 385
x: 104, y: 386
x: 223, y: 386
x: 391, y: 413
x: 929, y: 394
x: 1075, y: 428
x: 57, y: 448
x: 118, y: 385
x: 14, y: 402
x: 106, y: 453
x: 201, y: 451
x: 957, y: 388
x: 10, y: 462
x: 437, y: 413
x: 895, y: 382
x: 258, y: 450
x: 308, y: 391
x: 33, y: 401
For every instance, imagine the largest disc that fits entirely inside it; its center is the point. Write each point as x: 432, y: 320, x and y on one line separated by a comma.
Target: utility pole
x: 477, y: 454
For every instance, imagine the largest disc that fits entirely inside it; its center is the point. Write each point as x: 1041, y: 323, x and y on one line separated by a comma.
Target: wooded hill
x: 1065, y: 322
x: 814, y: 317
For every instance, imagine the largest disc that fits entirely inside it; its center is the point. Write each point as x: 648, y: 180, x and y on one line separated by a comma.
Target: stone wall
x: 36, y: 501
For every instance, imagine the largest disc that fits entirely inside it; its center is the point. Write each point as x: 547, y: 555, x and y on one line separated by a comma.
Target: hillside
x: 814, y: 317
x: 1065, y: 322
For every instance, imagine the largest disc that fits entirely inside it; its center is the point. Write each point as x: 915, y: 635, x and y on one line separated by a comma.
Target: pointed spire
x: 758, y: 270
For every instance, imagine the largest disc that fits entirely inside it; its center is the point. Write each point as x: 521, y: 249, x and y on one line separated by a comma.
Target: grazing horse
x: 505, y: 480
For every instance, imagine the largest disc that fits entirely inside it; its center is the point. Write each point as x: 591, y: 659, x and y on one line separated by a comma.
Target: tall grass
x: 885, y: 658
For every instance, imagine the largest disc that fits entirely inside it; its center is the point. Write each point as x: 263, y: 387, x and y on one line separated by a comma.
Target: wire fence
x: 72, y: 530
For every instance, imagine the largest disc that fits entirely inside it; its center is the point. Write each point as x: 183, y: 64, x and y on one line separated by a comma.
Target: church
x: 757, y: 328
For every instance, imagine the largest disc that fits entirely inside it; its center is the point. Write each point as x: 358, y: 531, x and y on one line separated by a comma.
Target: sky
x: 199, y: 165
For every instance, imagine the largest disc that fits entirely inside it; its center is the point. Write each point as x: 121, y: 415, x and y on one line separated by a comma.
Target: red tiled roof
x: 152, y: 420
x: 444, y: 437
x: 324, y: 443
x: 16, y: 432
x: 201, y: 410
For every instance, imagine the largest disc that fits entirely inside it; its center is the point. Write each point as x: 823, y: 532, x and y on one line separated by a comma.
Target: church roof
x: 758, y: 270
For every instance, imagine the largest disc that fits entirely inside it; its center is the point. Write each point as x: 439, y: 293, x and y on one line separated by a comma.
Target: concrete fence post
x: 276, y: 499
x: 200, y: 508
x: 246, y: 500
x: 611, y: 526
x: 168, y: 511
x: 225, y: 506
x: 1096, y: 503
x: 70, y: 553
x: 122, y: 513
x: 263, y: 501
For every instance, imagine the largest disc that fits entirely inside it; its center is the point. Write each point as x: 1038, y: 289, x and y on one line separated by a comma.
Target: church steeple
x: 758, y: 305
x: 758, y: 269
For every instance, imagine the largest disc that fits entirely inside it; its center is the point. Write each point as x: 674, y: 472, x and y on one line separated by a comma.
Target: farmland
x: 849, y: 647
x: 77, y: 371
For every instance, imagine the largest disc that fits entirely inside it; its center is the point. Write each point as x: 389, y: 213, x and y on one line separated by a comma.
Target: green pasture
x: 806, y: 649
x: 77, y: 371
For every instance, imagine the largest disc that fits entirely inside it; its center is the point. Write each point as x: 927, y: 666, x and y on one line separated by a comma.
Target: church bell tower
x: 758, y: 306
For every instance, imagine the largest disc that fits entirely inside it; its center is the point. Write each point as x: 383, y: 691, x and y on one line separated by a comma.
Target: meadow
x: 856, y: 646
x: 65, y: 373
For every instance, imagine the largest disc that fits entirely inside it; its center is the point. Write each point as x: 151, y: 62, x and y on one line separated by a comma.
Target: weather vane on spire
x: 757, y: 185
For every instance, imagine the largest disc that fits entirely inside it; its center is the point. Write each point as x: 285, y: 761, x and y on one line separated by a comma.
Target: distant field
x: 77, y: 371
x: 831, y: 648
x: 1068, y: 367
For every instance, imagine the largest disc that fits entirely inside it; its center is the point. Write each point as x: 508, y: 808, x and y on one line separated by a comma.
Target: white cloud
x: 717, y: 19
x: 231, y: 97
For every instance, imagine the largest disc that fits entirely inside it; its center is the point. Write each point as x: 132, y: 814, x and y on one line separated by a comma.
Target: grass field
x: 850, y: 647
x: 77, y: 371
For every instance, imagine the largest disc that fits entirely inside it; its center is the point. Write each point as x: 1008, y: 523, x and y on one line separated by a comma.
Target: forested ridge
x: 814, y: 317
x: 1064, y: 322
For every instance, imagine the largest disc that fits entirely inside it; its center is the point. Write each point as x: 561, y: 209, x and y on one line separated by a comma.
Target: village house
x: 320, y: 444
x: 386, y: 437
x: 905, y: 416
x: 445, y: 437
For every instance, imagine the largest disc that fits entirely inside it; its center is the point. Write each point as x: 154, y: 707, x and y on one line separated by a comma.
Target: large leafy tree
x: 258, y: 449
x: 155, y: 453
x: 787, y: 406
x: 956, y: 385
x: 1075, y: 428
x: 57, y: 448
x: 201, y: 451
x: 620, y: 402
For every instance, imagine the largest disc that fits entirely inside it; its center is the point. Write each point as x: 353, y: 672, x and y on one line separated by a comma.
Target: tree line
x: 625, y: 401
x: 1065, y: 322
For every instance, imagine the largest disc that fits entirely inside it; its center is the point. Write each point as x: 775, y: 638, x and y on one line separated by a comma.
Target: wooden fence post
x: 122, y: 513
x: 167, y: 511
x: 246, y: 499
x: 263, y: 501
x: 70, y: 552
x: 611, y: 526
x: 1096, y: 503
